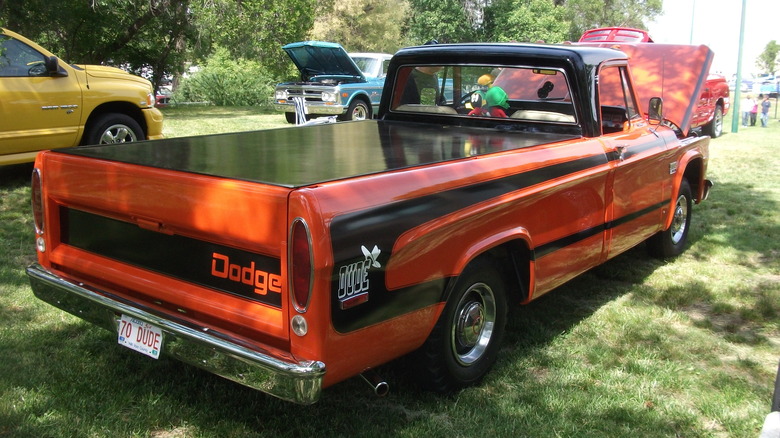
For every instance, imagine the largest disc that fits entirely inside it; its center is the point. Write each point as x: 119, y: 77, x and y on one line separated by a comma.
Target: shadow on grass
x: 78, y: 380
x: 14, y: 176
x: 735, y: 228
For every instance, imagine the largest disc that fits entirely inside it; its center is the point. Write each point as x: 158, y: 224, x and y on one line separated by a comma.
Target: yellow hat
x: 485, y: 79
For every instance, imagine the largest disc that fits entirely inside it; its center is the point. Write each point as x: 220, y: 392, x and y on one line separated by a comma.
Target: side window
x: 385, y: 64
x: 617, y: 103
x: 19, y: 59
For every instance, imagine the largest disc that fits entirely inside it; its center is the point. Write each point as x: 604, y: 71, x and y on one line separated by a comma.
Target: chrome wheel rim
x: 472, y: 328
x: 117, y: 134
x: 359, y: 113
x: 679, y: 222
x: 718, y: 123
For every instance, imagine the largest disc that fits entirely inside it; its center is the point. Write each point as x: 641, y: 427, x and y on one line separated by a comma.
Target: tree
x: 361, y: 25
x: 525, y: 21
x: 252, y: 29
x: 767, y: 60
x: 114, y: 32
x: 589, y: 14
x: 155, y: 37
x: 443, y: 20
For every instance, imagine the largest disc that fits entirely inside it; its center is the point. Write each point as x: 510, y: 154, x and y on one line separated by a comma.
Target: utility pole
x: 736, y: 115
x: 693, y: 15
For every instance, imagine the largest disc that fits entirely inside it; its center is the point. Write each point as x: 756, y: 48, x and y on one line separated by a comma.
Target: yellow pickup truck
x: 47, y: 104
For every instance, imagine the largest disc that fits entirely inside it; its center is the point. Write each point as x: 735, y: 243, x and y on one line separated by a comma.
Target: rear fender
x: 505, y: 247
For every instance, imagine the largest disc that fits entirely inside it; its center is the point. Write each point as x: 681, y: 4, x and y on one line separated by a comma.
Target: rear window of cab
x: 485, y: 91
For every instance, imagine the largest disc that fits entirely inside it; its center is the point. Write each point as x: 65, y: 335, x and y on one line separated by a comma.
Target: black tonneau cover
x: 301, y: 156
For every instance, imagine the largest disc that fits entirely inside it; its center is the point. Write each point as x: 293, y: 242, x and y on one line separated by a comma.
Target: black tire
x: 464, y: 344
x: 715, y: 128
x: 290, y: 117
x: 113, y: 128
x: 358, y: 110
x: 671, y: 242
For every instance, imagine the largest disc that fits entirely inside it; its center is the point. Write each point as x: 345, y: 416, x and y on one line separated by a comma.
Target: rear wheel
x: 464, y: 344
x: 671, y: 242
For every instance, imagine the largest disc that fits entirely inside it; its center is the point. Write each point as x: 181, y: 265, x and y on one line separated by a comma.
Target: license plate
x: 140, y: 336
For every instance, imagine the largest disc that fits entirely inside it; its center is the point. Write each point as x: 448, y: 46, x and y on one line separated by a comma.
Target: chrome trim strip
x: 282, y: 377
x: 312, y: 108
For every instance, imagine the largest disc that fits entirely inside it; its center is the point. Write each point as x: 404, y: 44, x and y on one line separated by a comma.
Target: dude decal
x: 354, y: 282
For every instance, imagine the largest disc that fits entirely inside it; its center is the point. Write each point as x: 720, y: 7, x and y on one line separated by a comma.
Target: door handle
x: 620, y: 149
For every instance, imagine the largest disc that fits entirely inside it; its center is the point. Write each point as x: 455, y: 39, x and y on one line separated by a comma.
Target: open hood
x: 675, y: 73
x: 318, y: 58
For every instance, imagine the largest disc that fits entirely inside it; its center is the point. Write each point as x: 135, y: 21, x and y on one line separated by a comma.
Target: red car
x: 615, y: 34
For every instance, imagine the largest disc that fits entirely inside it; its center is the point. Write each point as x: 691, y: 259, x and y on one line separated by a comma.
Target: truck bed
x: 315, y: 154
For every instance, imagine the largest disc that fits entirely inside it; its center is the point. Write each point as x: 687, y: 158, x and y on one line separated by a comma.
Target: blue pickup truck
x: 332, y: 82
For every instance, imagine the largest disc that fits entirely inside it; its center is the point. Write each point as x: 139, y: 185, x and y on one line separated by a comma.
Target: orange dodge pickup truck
x: 292, y: 259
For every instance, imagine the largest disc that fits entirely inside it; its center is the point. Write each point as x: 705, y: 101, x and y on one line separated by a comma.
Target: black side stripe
x: 548, y: 248
x: 387, y: 222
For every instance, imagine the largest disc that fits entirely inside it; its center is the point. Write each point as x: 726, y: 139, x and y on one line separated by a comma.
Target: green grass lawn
x: 636, y: 347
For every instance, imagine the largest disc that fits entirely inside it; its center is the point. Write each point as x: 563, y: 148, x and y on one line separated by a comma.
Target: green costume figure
x: 496, y: 97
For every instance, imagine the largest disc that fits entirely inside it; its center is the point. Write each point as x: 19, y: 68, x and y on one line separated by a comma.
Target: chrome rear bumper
x: 276, y: 374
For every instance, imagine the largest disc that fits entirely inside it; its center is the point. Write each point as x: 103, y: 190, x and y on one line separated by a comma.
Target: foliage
x: 157, y: 38
x: 227, y: 81
x: 252, y: 29
x: 361, y: 25
x: 128, y: 32
x: 525, y: 20
x: 445, y: 21
x: 589, y: 14
x: 114, y: 32
x: 767, y: 61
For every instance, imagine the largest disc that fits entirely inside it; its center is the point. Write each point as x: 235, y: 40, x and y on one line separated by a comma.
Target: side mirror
x: 655, y: 111
x: 53, y: 66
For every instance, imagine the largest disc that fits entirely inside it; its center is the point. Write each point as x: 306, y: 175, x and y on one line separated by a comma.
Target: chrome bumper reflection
x: 282, y: 377
x: 311, y: 108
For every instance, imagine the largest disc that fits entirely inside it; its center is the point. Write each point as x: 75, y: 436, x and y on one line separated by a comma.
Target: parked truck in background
x: 332, y: 82
x: 48, y: 104
x: 291, y: 259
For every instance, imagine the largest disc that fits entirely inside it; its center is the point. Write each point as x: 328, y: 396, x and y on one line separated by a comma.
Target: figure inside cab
x: 491, y: 101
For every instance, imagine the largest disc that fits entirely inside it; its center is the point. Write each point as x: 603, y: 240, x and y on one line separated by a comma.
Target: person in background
x: 746, y: 106
x: 754, y: 112
x: 765, y: 104
x: 422, y: 86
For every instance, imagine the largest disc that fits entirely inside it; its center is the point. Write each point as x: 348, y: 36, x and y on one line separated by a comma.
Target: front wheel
x: 114, y: 128
x: 464, y: 344
x: 671, y: 242
x: 358, y: 110
x: 715, y: 128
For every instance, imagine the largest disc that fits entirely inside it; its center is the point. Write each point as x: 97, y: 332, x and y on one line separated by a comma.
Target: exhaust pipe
x: 378, y: 384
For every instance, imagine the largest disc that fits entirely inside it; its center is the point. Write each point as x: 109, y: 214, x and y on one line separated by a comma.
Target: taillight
x: 37, y: 201
x: 36, y: 191
x: 300, y: 274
